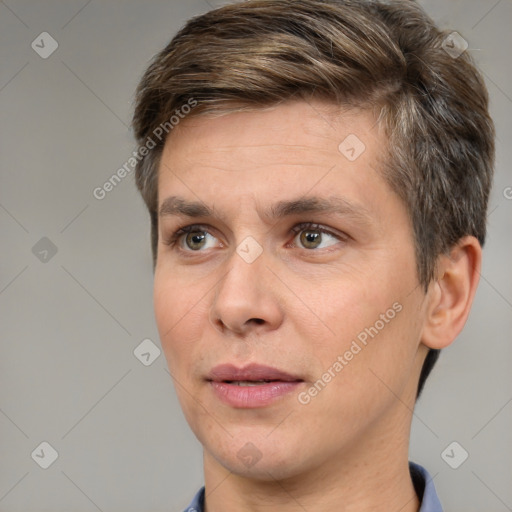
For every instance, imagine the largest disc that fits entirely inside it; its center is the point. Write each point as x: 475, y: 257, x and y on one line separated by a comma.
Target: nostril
x: 258, y: 321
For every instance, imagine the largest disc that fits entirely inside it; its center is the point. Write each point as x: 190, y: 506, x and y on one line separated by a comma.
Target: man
x: 317, y: 176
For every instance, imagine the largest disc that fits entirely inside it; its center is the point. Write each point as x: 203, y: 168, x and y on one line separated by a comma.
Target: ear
x: 451, y: 293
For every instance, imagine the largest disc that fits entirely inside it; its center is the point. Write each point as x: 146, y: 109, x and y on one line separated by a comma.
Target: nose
x: 245, y: 302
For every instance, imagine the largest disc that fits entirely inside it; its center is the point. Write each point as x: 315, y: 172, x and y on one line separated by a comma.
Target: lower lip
x: 247, y: 397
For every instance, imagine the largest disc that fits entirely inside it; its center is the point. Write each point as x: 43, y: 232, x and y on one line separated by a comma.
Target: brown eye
x: 310, y: 239
x: 313, y: 236
x: 195, y: 240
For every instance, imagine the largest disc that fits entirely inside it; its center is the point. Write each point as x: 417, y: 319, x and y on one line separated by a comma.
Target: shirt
x: 421, y: 479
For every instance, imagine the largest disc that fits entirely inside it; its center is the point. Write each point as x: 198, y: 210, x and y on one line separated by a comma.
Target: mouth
x: 252, y: 386
x: 249, y: 382
x: 253, y: 374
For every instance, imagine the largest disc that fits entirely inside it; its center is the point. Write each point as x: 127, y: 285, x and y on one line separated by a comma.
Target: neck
x: 372, y: 476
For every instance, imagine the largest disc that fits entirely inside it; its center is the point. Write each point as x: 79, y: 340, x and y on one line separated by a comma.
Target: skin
x: 298, y: 308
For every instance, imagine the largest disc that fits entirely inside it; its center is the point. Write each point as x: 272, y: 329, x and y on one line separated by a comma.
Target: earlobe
x: 451, y: 293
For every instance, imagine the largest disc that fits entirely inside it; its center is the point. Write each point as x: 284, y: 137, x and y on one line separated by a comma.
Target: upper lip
x: 251, y: 372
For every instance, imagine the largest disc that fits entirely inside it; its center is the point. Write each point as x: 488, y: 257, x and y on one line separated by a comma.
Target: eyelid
x: 319, y: 227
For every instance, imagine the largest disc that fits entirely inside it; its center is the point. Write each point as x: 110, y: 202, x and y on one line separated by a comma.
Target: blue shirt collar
x: 425, y: 489
x: 422, y: 481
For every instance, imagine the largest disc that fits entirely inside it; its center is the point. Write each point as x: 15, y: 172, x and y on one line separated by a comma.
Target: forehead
x: 296, y: 132
x: 290, y: 150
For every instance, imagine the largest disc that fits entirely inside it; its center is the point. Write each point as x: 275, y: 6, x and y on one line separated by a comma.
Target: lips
x: 253, y: 386
x: 254, y: 373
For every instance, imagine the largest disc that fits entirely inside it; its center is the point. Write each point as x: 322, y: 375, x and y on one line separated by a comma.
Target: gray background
x: 69, y: 324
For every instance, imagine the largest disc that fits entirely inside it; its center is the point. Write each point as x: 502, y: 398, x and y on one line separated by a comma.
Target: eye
x: 193, y: 238
x: 314, y: 236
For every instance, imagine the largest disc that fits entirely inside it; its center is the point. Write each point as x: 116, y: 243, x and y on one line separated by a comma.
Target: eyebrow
x: 174, y: 205
x: 337, y: 205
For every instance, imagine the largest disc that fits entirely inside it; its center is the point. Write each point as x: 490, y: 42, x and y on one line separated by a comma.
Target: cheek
x: 379, y: 359
x: 177, y: 310
x: 167, y: 307
x: 343, y: 306
x: 360, y: 382
x: 372, y: 322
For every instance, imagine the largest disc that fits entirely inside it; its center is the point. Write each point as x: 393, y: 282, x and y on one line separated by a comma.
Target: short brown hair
x: 385, y: 55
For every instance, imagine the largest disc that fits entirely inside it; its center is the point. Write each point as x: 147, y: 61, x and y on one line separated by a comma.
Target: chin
x: 261, y: 460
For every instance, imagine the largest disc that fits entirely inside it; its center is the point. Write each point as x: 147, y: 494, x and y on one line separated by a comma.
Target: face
x: 286, y: 293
